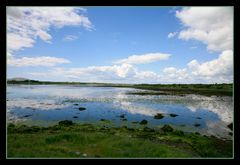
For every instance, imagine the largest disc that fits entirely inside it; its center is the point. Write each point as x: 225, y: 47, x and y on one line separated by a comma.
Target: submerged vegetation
x: 85, y: 140
x: 154, y: 89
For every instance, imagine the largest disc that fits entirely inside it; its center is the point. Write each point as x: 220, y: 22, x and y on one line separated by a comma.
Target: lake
x: 48, y: 104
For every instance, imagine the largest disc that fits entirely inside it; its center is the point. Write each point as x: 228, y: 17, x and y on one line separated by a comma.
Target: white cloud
x: 169, y: 70
x: 211, y: 25
x: 172, y: 34
x: 44, y: 36
x: 146, y: 75
x: 222, y: 67
x: 70, y: 38
x: 25, y: 24
x: 36, y: 61
x: 17, y: 42
x: 143, y: 59
x: 174, y: 75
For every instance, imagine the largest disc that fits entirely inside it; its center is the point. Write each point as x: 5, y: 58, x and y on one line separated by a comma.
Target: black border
x: 3, y: 84
x: 121, y: 3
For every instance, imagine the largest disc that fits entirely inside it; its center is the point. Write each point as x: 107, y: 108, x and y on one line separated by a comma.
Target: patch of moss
x: 65, y: 123
x: 167, y: 128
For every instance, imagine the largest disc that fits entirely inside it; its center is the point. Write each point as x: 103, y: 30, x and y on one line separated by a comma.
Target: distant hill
x: 18, y: 79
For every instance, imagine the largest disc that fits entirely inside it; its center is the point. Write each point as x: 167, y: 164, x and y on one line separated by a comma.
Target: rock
x: 173, y: 115
x: 197, y: 133
x: 230, y: 133
x: 167, y: 128
x: 77, y: 153
x: 27, y: 115
x: 158, y: 116
x: 81, y: 109
x: 198, y: 118
x: 122, y: 116
x: 230, y: 126
x: 143, y: 122
x: 75, y: 116
x: 196, y: 125
x: 124, y: 119
x: 65, y: 123
x: 84, y: 155
x: 75, y: 104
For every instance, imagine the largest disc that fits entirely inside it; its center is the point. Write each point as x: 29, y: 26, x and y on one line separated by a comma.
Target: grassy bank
x: 155, y: 89
x: 80, y: 141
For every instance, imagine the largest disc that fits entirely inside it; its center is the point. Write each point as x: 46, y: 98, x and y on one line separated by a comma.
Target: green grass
x: 85, y: 140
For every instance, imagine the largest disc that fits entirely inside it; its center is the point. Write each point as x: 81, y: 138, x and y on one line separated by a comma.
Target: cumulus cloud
x: 220, y: 67
x: 35, y: 61
x: 44, y: 36
x: 98, y: 72
x: 143, y: 59
x: 172, y: 34
x: 25, y: 24
x: 211, y: 25
x: 146, y: 75
x: 70, y: 38
x: 172, y: 74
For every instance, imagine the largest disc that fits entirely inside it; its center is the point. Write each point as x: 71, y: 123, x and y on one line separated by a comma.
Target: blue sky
x: 121, y: 44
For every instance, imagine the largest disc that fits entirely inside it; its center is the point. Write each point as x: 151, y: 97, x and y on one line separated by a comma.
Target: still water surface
x: 48, y: 104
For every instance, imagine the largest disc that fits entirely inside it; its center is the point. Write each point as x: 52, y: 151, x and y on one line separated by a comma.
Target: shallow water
x: 48, y: 104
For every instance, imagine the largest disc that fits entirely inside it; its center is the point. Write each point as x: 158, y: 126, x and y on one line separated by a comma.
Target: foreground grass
x: 76, y: 141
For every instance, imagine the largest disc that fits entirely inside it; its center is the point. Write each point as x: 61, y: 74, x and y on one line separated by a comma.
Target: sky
x: 121, y: 44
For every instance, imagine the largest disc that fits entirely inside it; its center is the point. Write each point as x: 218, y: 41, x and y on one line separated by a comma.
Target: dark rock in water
x: 143, y: 122
x: 124, y: 119
x: 122, y: 116
x: 230, y: 133
x: 196, y: 125
x: 198, y: 118
x: 75, y: 104
x: 158, y: 116
x: 167, y: 128
x: 75, y: 116
x: 230, y: 126
x: 82, y: 109
x: 65, y: 123
x: 173, y: 115
x: 27, y: 115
